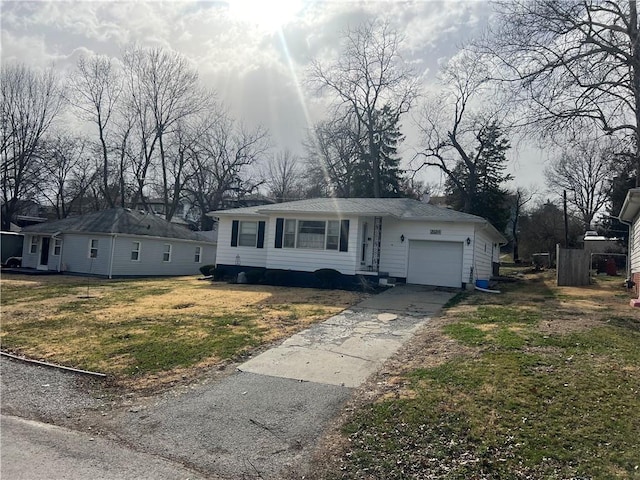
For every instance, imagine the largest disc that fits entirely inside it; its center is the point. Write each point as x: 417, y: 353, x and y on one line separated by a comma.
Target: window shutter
x: 234, y: 233
x: 344, y: 236
x: 260, y: 235
x: 279, y: 230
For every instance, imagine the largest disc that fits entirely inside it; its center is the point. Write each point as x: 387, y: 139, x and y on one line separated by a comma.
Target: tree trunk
x: 635, y: 71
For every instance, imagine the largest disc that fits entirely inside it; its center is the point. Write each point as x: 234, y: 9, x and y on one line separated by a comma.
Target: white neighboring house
x: 409, y: 240
x: 630, y: 214
x: 116, y: 243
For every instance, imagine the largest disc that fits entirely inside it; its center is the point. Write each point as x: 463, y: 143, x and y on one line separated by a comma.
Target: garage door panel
x: 435, y: 263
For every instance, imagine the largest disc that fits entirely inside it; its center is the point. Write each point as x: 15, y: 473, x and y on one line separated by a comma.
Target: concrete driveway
x: 345, y: 349
x: 266, y: 418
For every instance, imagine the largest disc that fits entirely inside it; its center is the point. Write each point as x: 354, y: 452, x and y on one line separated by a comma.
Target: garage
x: 435, y: 263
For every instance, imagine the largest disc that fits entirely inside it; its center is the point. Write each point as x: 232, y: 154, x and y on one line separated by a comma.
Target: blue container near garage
x: 482, y: 283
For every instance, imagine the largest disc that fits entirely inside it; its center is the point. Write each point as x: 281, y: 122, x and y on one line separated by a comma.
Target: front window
x: 33, y: 247
x: 289, y: 234
x: 311, y: 234
x: 93, y: 248
x: 57, y: 246
x: 333, y: 234
x: 166, y: 254
x: 135, y: 251
x: 248, y: 234
x: 198, y: 255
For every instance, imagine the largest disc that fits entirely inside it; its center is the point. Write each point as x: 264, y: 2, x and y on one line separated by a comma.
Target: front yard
x: 146, y: 332
x: 538, y: 382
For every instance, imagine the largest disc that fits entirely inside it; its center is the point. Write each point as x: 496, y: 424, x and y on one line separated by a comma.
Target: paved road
x: 35, y: 450
x: 261, y: 421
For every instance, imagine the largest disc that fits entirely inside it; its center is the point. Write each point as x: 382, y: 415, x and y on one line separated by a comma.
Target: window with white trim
x: 166, y: 253
x: 198, y: 256
x: 333, y: 235
x: 135, y: 251
x: 33, y: 247
x: 248, y: 234
x: 289, y: 240
x: 57, y: 246
x: 93, y: 248
x: 311, y: 234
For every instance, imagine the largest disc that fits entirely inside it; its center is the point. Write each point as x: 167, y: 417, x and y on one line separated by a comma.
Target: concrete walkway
x: 345, y: 349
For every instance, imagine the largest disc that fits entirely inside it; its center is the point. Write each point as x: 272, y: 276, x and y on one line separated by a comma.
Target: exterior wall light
x: 402, y: 238
x: 468, y: 241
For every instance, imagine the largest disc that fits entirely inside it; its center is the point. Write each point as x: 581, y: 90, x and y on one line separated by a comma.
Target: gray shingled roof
x: 117, y: 220
x: 404, y: 208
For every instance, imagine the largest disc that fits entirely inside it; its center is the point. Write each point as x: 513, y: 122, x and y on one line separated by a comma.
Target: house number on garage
x: 436, y: 232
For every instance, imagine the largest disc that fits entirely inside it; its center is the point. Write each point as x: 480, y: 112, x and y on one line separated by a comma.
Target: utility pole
x: 566, y: 221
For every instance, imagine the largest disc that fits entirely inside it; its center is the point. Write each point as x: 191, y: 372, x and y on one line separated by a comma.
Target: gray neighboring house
x: 116, y: 243
x: 406, y: 239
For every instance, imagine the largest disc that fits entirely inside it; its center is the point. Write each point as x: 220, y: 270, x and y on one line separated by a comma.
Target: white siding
x: 394, y: 253
x: 246, y: 256
x: 29, y: 260
x: 75, y: 254
x: 483, y: 253
x: 634, y: 244
x: 151, y: 252
x: 308, y: 260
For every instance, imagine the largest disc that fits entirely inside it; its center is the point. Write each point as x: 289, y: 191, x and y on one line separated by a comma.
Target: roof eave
x: 631, y: 205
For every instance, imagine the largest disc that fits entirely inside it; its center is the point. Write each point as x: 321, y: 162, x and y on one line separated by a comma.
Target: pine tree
x: 387, y: 140
x: 476, y: 186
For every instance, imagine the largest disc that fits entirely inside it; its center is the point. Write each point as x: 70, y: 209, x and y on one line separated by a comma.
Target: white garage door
x: 435, y: 263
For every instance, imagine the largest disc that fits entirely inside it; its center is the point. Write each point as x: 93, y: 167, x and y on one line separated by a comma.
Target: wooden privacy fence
x: 572, y: 267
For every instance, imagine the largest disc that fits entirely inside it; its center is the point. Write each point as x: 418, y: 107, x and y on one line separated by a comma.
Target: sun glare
x: 269, y: 15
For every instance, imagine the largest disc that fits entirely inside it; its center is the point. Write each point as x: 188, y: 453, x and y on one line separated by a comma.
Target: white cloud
x: 236, y: 45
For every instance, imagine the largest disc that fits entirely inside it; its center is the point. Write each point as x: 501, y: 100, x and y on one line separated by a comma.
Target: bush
x: 206, y: 269
x: 328, y: 277
x: 276, y: 277
x: 218, y: 273
x: 254, y: 276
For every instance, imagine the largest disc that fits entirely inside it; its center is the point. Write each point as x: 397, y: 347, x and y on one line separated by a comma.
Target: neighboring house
x: 186, y: 214
x: 405, y: 239
x: 115, y: 243
x: 630, y: 214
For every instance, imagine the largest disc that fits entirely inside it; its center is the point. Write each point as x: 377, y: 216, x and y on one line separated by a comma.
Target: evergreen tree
x: 387, y: 139
x: 476, y: 185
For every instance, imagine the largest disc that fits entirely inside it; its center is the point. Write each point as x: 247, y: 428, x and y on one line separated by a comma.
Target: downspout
x: 113, y: 248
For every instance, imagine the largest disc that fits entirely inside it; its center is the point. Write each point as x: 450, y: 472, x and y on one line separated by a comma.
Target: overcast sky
x: 254, y: 54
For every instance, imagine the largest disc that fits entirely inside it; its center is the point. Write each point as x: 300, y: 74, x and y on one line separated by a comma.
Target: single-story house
x: 630, y: 214
x: 401, y: 238
x: 117, y: 242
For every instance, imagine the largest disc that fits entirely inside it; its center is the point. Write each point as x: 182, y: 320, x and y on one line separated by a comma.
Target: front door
x: 44, y: 253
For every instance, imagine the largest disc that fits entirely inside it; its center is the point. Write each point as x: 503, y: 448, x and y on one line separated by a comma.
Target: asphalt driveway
x: 266, y: 418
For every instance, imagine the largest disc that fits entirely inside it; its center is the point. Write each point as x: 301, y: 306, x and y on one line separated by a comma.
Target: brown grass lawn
x: 146, y: 331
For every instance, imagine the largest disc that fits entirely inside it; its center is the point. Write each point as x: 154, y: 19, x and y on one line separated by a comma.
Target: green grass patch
x: 530, y: 403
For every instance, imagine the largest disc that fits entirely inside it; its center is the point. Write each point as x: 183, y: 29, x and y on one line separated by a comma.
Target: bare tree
x: 464, y: 137
x: 222, y: 162
x: 68, y: 173
x: 31, y: 101
x: 368, y: 77
x: 576, y: 63
x: 519, y: 200
x: 95, y: 90
x: 333, y: 155
x: 163, y: 91
x: 284, y: 177
x: 583, y: 169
